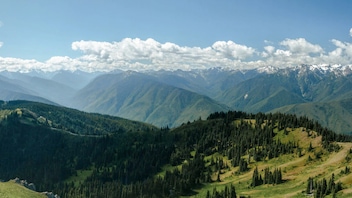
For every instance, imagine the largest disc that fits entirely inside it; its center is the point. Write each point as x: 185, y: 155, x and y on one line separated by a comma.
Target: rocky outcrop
x: 31, y: 186
x: 51, y: 195
x: 24, y: 183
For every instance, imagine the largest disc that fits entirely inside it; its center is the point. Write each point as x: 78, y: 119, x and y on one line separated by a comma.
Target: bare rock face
x: 51, y: 195
x: 17, y: 180
x: 31, y: 186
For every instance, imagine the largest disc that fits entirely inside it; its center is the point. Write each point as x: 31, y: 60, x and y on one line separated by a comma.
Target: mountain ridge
x: 137, y: 96
x: 253, y: 90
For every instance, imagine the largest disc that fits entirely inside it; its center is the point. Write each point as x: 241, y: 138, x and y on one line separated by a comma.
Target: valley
x: 171, y: 98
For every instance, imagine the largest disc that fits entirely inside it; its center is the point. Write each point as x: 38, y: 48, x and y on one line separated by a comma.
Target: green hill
x: 71, y: 120
x: 206, y: 158
x: 337, y: 115
x: 48, y: 144
x: 12, y: 190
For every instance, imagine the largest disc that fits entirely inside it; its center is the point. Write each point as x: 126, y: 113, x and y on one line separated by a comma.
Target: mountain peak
x: 338, y: 70
x: 267, y: 69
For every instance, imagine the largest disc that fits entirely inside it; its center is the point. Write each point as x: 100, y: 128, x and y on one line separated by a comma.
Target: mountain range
x: 171, y: 98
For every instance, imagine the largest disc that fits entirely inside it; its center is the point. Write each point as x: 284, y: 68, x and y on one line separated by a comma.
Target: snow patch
x: 245, y: 96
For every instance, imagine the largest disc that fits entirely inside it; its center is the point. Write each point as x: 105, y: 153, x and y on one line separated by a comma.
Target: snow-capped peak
x: 338, y: 70
x: 267, y: 69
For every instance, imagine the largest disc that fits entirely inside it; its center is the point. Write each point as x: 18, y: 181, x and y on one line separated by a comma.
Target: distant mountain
x: 185, y: 95
x: 9, y: 90
x: 336, y: 115
x: 12, y: 95
x: 142, y: 97
x: 56, y: 86
x: 289, y: 86
x: 263, y: 93
x: 210, y: 82
x: 76, y: 79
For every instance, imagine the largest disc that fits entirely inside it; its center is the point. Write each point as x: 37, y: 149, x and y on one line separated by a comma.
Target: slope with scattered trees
x: 229, y: 154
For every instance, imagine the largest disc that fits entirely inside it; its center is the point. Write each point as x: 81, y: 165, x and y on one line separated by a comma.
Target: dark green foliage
x: 256, y: 178
x: 47, y: 157
x: 310, y: 148
x: 75, y: 121
x: 269, y: 177
x: 310, y: 186
x: 347, y: 170
x: 227, y: 192
x: 323, y: 187
x: 124, y: 163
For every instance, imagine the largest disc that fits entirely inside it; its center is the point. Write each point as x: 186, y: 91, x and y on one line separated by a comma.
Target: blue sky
x: 160, y: 34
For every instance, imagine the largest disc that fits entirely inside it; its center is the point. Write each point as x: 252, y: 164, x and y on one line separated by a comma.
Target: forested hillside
x: 217, y: 157
x: 73, y: 121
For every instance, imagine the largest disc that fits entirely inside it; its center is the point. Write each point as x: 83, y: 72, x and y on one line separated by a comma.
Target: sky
x: 106, y: 35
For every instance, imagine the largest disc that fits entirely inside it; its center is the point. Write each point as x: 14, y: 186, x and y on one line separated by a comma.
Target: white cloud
x: 270, y: 49
x: 16, y: 64
x: 341, y: 55
x: 351, y: 32
x: 149, y: 54
x: 233, y: 50
x: 301, y: 46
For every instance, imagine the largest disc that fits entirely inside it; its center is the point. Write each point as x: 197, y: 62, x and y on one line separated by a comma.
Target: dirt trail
x: 338, y: 157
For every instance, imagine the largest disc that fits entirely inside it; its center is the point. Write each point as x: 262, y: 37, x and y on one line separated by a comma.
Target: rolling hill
x: 336, y: 115
x: 10, y: 189
x: 197, y: 159
x: 70, y: 120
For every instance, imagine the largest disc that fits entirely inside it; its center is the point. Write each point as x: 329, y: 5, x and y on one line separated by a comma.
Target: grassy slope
x: 12, y: 190
x: 296, y: 170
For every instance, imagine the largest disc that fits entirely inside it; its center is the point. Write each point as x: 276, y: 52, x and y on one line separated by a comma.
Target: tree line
x: 125, y: 164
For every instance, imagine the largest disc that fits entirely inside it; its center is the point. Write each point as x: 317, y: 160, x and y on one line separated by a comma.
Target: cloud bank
x: 149, y: 54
